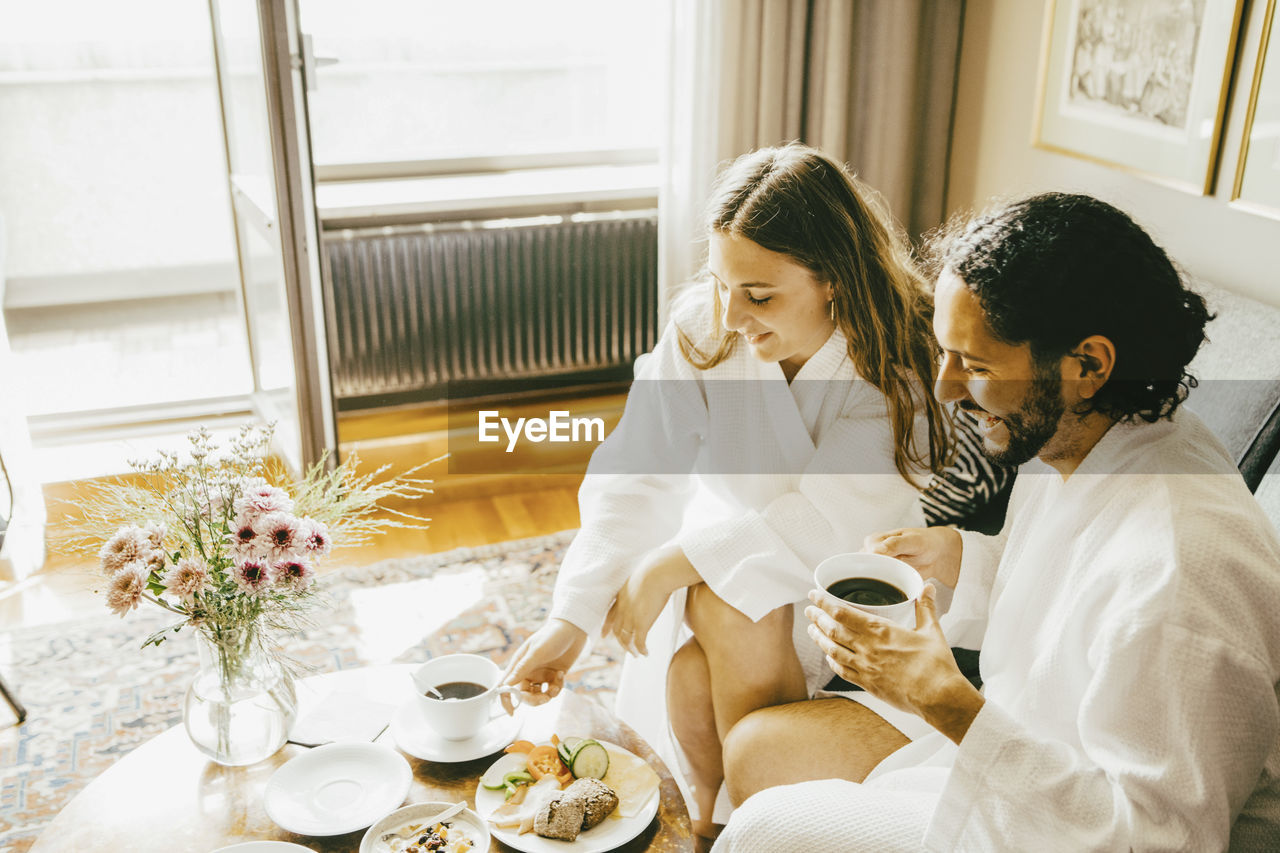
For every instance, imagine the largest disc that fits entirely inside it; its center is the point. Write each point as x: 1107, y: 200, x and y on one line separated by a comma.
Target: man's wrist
x: 954, y: 708
x: 953, y: 569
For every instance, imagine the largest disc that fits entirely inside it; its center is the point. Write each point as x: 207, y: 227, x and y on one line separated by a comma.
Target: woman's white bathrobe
x: 756, y: 479
x: 1129, y: 621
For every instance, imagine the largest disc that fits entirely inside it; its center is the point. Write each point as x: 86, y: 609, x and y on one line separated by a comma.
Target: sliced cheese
x: 631, y: 779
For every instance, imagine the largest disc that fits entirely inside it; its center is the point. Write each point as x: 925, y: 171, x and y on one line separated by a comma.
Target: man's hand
x: 934, y: 552
x: 641, y: 599
x: 540, y: 663
x: 912, y: 670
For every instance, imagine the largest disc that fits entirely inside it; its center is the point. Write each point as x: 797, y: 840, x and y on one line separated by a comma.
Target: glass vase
x: 240, y: 706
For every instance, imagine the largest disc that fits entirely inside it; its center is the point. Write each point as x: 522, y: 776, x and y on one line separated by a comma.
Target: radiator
x: 469, y: 309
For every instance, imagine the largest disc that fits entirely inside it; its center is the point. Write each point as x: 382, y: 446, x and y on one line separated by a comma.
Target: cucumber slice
x: 518, y: 777
x: 578, y: 744
x: 494, y: 780
x: 566, y: 748
x: 590, y: 761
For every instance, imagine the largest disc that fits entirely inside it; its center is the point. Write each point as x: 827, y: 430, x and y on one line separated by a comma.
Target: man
x: 1128, y: 613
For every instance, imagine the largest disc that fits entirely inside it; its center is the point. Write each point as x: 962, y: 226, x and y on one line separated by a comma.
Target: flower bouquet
x: 213, y: 541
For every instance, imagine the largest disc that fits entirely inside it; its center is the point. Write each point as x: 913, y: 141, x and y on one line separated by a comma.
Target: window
x: 566, y: 82
x: 119, y: 279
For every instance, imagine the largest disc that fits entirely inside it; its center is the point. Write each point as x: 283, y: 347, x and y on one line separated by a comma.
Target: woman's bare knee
x: 718, y: 625
x: 687, y: 675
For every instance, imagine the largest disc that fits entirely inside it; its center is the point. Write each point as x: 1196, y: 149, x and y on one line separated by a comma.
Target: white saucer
x: 416, y: 737
x: 265, y: 847
x: 337, y: 788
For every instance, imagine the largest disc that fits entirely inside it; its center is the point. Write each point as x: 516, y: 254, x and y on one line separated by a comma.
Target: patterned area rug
x: 92, y: 694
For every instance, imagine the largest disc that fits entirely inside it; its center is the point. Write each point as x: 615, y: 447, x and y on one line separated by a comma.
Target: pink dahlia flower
x: 187, y: 578
x: 126, y: 588
x: 260, y: 498
x: 242, y: 541
x: 155, y: 535
x: 252, y: 576
x: 293, y: 574
x: 314, y: 537
x: 128, y: 545
x: 154, y: 559
x: 280, y: 534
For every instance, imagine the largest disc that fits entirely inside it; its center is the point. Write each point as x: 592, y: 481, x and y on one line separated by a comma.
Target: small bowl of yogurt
x: 415, y: 829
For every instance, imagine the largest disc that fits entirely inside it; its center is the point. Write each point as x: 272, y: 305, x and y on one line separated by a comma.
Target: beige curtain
x: 880, y: 95
x: 869, y: 81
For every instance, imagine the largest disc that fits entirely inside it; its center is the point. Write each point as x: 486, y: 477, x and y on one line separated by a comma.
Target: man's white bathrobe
x: 1129, y: 620
x: 756, y: 479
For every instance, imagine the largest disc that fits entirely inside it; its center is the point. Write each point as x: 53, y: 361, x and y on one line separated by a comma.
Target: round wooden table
x: 166, y: 796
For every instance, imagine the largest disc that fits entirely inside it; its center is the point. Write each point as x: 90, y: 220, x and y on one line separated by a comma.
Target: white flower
x: 280, y: 534
x: 293, y: 574
x: 126, y: 588
x: 128, y: 545
x: 313, y: 537
x: 252, y: 576
x: 190, y: 576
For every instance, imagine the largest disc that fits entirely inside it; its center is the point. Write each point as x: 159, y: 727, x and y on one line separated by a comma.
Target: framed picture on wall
x: 1139, y: 85
x: 1257, y: 184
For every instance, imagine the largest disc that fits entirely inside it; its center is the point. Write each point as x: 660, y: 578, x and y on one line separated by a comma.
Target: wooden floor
x: 465, y: 510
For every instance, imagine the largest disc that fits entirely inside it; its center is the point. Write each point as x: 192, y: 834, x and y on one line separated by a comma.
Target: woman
x: 793, y: 385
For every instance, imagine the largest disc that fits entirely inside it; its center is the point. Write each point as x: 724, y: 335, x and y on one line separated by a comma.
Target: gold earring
x: 831, y: 306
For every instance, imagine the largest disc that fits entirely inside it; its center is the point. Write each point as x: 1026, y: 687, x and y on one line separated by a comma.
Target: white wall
x: 992, y: 153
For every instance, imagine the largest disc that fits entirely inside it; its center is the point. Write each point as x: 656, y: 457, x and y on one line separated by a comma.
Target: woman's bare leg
x: 818, y: 739
x: 694, y: 725
x: 751, y: 665
x: 731, y: 667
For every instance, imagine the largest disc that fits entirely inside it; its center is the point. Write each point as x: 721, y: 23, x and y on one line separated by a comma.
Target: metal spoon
x: 447, y: 813
x: 428, y: 821
x: 427, y: 688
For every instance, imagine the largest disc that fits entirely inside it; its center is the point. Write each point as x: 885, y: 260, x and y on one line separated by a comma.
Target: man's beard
x: 1032, y: 426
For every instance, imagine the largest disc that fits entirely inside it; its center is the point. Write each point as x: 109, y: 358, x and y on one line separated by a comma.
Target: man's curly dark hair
x: 1053, y: 269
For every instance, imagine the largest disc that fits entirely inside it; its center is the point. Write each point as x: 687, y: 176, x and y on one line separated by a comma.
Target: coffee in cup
x: 457, y: 695
x: 874, y: 583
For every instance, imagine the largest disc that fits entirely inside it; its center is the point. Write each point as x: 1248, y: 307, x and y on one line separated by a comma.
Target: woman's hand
x: 641, y: 599
x: 934, y: 552
x: 540, y: 663
x: 912, y: 670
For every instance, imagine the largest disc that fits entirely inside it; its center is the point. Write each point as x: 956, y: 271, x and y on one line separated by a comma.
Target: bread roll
x: 560, y: 818
x: 598, y: 800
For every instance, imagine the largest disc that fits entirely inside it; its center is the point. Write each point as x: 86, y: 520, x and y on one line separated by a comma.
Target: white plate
x: 611, y: 833
x: 416, y: 737
x: 265, y: 847
x: 337, y: 788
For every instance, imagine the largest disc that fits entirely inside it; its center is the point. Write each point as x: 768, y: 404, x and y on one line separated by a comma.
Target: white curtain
x: 871, y: 82
x: 23, y: 549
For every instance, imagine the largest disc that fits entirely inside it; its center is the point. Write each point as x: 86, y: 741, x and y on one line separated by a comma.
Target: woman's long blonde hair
x: 799, y: 202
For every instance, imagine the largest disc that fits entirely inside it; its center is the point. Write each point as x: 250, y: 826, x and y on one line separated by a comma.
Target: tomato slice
x: 520, y: 746
x: 545, y: 761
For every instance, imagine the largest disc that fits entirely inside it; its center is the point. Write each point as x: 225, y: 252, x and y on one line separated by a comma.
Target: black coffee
x: 457, y: 690
x: 867, y: 591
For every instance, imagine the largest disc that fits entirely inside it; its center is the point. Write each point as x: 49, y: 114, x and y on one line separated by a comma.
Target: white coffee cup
x: 877, y: 567
x: 458, y: 719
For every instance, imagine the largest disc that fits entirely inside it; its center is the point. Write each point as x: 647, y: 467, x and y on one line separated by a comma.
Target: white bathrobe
x: 756, y: 479
x: 1129, y: 620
